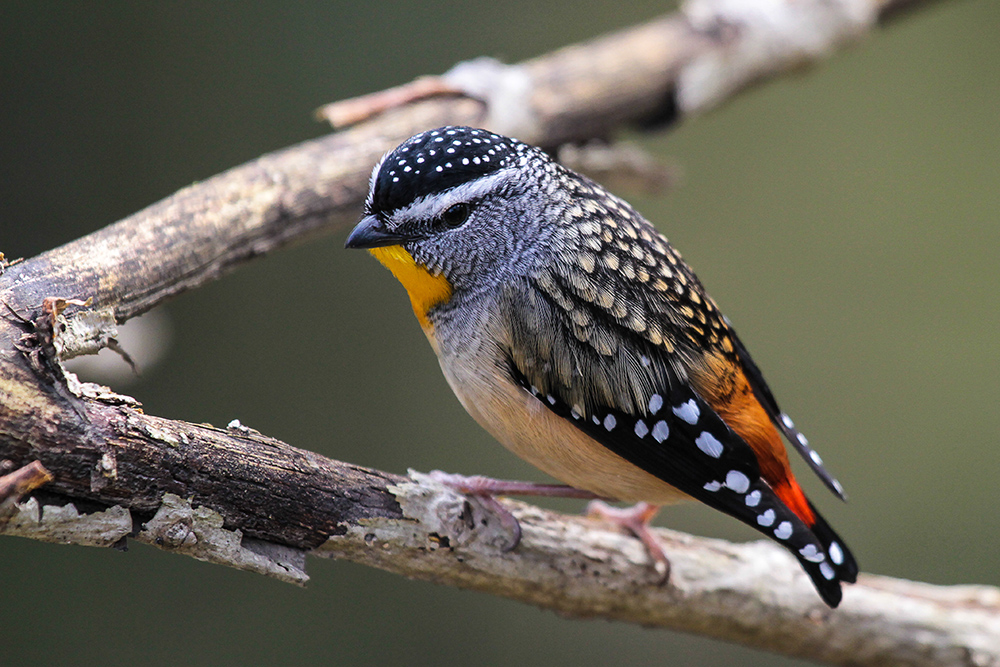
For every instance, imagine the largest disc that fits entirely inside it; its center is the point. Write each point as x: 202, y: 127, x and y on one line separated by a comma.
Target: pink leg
x: 485, y: 488
x: 478, y: 485
x: 636, y: 520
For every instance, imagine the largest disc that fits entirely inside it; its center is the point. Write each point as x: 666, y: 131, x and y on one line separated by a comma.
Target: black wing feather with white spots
x: 687, y: 445
x: 604, y: 339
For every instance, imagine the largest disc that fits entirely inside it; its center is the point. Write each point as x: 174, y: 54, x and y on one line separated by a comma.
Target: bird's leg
x: 636, y: 520
x: 486, y: 488
x: 478, y: 485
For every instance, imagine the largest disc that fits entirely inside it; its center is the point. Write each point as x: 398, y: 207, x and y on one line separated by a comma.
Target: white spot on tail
x: 812, y: 554
x: 783, y: 531
x: 688, y: 411
x: 709, y: 444
x: 737, y: 481
x: 836, y: 553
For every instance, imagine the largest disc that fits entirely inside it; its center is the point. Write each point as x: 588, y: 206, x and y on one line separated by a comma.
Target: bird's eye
x: 456, y: 215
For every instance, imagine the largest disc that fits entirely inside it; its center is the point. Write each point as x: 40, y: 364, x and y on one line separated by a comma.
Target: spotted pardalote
x: 572, y: 331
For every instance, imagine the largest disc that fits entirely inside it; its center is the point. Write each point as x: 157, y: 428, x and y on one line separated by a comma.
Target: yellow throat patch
x: 425, y: 289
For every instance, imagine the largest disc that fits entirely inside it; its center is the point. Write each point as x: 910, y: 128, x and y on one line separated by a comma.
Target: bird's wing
x: 616, y: 343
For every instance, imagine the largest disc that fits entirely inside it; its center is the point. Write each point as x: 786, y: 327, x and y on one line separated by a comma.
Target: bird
x: 574, y: 333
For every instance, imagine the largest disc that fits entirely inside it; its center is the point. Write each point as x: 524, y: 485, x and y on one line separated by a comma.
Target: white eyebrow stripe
x: 432, y: 205
x: 370, y: 200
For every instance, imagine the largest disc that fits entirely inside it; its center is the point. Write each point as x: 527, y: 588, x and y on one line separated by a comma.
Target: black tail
x: 837, y: 564
x: 840, y: 556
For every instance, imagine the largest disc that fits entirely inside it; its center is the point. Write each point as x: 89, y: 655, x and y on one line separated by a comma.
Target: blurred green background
x: 844, y: 218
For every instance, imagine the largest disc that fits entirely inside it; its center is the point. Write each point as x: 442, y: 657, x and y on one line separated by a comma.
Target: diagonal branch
x: 236, y: 497
x: 655, y: 74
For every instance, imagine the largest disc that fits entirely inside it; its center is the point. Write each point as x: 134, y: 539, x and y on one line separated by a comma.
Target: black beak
x: 370, y: 233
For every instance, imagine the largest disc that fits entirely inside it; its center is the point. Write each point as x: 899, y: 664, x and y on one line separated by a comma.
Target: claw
x: 507, y: 520
x: 636, y: 520
x: 487, y: 488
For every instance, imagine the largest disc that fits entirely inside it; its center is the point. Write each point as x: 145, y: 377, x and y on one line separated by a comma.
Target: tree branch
x: 236, y: 497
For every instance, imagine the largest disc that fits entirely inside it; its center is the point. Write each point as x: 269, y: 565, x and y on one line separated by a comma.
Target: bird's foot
x: 636, y: 520
x: 486, y: 488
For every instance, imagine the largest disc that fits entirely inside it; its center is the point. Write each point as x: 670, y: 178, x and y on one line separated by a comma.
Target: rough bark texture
x: 264, y: 487
x: 236, y: 497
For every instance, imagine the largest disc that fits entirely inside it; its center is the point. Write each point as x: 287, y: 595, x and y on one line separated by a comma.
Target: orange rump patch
x: 724, y: 386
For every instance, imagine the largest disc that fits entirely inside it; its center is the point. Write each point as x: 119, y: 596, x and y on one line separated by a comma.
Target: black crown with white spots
x: 436, y: 160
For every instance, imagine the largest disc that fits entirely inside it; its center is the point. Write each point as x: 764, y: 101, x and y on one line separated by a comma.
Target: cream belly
x: 528, y: 428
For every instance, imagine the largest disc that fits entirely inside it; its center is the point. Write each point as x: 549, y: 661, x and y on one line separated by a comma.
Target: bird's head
x: 456, y: 209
